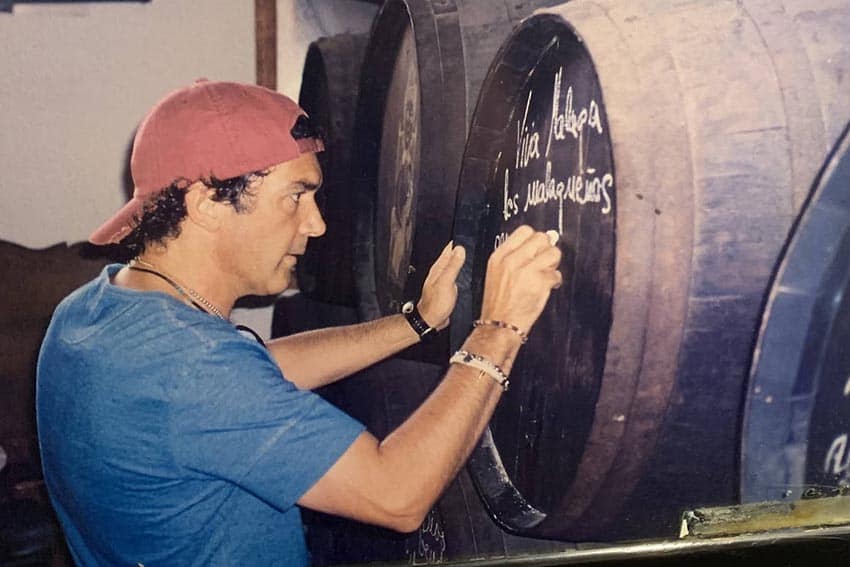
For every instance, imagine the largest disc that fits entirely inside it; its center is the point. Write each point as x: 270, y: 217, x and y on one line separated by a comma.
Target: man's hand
x: 520, y: 275
x: 439, y: 292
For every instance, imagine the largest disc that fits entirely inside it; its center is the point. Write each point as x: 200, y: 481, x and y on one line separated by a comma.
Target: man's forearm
x: 316, y: 358
x: 394, y: 482
x: 442, y: 432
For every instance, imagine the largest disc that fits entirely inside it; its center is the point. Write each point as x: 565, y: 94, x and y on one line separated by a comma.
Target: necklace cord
x: 195, y: 304
x: 195, y: 298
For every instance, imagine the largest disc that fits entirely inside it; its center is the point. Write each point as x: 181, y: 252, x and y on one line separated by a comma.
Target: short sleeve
x: 236, y: 418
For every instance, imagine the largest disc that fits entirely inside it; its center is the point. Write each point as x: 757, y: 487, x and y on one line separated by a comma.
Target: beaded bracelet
x: 483, y: 364
x: 502, y: 325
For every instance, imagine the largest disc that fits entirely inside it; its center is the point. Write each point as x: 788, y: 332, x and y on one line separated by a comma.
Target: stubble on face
x: 265, y: 241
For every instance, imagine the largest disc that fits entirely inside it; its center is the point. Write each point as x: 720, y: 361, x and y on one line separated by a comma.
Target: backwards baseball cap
x: 209, y: 129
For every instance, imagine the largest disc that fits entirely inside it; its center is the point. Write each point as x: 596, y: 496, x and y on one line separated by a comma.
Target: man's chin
x: 285, y: 283
x: 279, y: 283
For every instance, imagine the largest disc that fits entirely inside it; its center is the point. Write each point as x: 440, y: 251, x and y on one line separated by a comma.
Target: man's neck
x: 190, y: 277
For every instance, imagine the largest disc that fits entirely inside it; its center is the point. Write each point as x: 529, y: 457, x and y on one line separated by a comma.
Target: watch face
x: 407, y: 307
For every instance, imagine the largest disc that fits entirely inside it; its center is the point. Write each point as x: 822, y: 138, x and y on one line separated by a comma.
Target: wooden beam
x: 265, y: 33
x: 766, y: 516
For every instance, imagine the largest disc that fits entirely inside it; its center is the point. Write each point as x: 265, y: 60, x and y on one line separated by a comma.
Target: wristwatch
x: 411, y: 313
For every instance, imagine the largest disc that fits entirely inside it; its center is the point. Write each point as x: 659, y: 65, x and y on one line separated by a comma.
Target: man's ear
x: 201, y: 209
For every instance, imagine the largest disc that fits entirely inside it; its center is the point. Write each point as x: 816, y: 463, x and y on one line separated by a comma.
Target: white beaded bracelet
x: 485, y: 365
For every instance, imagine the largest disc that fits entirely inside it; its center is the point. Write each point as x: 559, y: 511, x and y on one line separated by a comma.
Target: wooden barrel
x: 329, y: 95
x: 797, y: 419
x: 671, y: 144
x: 421, y: 75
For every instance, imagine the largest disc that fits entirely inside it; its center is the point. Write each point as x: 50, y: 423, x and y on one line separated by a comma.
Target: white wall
x: 302, y: 21
x: 75, y: 80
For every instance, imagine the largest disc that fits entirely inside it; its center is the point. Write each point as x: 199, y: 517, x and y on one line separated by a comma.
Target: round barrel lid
x: 796, y: 437
x: 540, y: 154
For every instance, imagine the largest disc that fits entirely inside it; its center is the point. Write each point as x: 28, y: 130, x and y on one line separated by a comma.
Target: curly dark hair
x: 162, y: 215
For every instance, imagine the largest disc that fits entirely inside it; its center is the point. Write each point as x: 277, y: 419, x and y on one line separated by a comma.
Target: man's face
x: 259, y: 247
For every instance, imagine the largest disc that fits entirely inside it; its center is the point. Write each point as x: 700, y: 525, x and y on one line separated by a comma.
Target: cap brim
x: 120, y: 225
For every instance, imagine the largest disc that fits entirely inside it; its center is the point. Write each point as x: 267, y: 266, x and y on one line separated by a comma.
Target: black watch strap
x: 411, y: 313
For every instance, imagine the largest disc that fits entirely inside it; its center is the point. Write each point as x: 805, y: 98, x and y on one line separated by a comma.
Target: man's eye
x: 296, y: 197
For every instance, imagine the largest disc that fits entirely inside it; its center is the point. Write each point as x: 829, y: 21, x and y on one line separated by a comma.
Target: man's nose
x: 314, y: 225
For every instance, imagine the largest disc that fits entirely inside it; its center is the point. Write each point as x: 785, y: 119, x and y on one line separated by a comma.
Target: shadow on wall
x: 127, y: 184
x: 34, y: 283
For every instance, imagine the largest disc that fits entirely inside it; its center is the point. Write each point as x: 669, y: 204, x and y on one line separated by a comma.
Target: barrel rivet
x: 768, y: 399
x: 411, y: 269
x: 619, y: 418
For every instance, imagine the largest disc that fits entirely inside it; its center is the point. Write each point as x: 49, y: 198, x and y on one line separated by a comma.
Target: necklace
x: 193, y: 296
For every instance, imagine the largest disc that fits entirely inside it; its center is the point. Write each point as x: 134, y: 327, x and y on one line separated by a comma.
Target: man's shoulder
x: 108, y: 313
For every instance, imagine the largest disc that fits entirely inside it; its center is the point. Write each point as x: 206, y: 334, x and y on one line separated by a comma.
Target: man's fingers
x: 547, y: 258
x: 440, y: 263
x: 527, y: 253
x: 455, y: 263
x: 546, y: 265
x: 540, y: 244
x: 514, y: 241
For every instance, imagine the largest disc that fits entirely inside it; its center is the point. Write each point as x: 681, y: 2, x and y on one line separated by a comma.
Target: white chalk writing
x: 583, y: 185
x: 527, y: 140
x: 580, y: 189
x: 837, y: 458
x: 569, y: 122
x: 431, y: 544
x: 509, y: 207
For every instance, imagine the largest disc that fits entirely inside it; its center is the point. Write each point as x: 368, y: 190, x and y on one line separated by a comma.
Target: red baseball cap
x: 209, y: 129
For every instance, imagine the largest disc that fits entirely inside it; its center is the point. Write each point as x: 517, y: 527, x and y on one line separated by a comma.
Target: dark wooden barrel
x: 671, y: 144
x: 329, y: 89
x: 421, y: 75
x: 797, y: 419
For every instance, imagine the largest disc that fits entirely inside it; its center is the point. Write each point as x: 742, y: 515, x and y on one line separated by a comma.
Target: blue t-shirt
x: 169, y: 438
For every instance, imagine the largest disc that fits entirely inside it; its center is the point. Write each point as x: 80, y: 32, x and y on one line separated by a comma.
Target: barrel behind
x: 797, y: 416
x: 329, y: 90
x: 671, y: 144
x: 421, y: 76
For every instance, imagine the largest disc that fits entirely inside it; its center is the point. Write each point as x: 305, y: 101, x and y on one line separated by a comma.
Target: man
x: 170, y: 438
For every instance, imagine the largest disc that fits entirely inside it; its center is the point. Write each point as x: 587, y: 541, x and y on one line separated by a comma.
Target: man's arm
x: 396, y: 481
x: 316, y: 358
